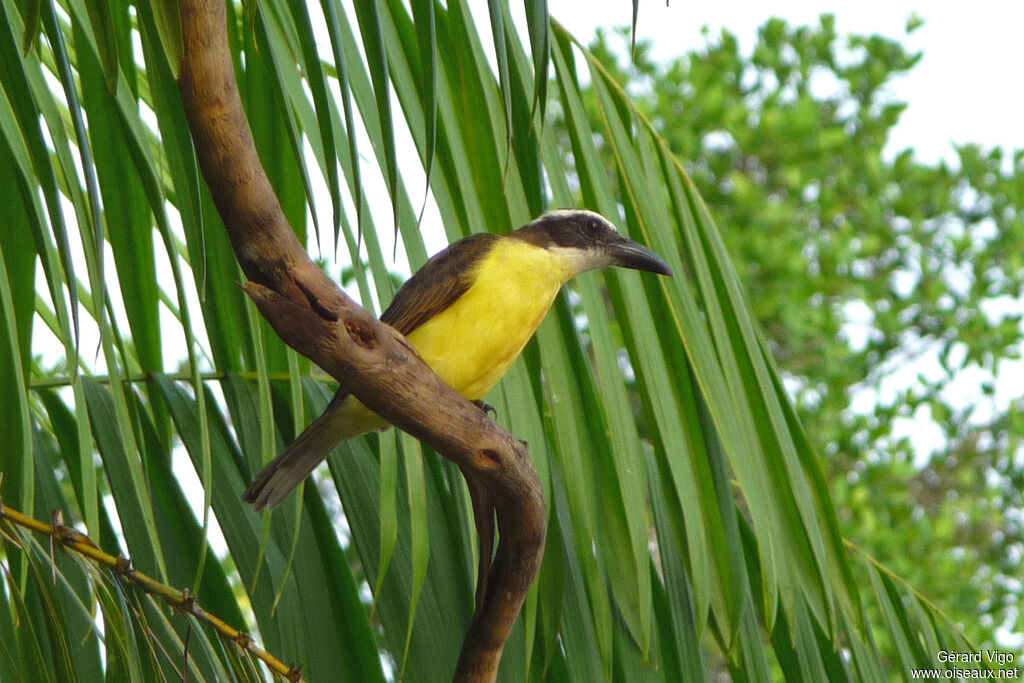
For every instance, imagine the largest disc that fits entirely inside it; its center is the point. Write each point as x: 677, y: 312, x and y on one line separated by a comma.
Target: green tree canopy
x: 888, y: 288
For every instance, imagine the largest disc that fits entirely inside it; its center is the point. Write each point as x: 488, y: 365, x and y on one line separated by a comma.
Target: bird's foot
x: 486, y: 407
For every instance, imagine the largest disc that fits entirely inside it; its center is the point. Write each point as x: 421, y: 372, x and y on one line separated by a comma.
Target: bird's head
x: 589, y: 241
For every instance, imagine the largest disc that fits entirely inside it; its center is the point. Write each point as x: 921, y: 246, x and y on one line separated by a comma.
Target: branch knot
x: 361, y: 333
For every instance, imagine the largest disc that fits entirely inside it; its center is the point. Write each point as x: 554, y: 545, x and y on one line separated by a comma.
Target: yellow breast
x: 472, y: 344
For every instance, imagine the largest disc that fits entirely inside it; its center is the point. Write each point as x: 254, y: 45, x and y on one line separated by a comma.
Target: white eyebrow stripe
x: 564, y: 213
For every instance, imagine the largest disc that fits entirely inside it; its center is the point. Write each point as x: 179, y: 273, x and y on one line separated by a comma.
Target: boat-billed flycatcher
x: 469, y: 311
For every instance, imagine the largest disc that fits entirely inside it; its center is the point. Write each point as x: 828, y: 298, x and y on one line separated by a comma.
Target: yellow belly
x: 473, y: 343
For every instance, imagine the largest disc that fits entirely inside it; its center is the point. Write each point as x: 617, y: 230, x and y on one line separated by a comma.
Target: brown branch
x: 373, y: 361
x: 181, y: 600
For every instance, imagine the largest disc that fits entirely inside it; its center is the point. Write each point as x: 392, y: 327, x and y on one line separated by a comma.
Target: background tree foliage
x: 692, y: 534
x: 889, y: 289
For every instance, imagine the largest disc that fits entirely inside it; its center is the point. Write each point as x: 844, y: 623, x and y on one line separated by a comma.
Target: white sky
x: 967, y: 87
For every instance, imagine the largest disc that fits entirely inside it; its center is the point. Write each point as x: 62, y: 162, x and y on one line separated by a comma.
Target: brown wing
x: 438, y: 284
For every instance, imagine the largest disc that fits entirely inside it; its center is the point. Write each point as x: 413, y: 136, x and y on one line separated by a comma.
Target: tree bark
x: 370, y: 359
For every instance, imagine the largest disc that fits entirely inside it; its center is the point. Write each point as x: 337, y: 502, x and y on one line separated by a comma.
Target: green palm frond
x: 691, y: 530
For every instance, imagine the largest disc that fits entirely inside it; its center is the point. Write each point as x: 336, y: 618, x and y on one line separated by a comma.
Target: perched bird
x: 469, y: 311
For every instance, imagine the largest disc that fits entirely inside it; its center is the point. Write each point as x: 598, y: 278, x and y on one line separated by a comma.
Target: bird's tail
x: 344, y: 417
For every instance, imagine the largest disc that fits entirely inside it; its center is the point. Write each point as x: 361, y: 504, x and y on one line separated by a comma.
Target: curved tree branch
x: 370, y: 359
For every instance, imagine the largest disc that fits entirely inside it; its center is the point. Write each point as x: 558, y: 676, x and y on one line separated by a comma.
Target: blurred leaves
x: 691, y: 527
x: 888, y: 288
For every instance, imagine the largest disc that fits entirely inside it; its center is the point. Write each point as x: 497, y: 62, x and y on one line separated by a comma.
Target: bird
x: 468, y: 311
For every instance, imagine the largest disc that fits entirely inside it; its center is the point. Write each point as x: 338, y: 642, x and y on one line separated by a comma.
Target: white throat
x: 581, y: 260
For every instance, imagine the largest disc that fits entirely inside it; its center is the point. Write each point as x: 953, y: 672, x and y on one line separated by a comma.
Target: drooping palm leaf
x: 690, y: 526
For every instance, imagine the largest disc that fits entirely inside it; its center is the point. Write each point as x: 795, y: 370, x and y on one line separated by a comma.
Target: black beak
x: 629, y: 254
